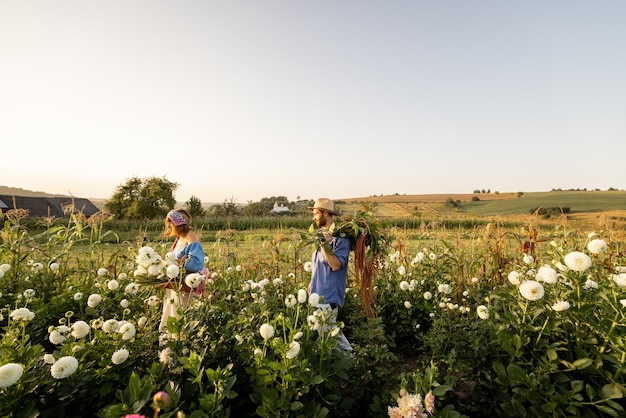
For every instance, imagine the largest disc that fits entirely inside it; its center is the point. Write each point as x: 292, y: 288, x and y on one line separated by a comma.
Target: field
x: 483, y: 320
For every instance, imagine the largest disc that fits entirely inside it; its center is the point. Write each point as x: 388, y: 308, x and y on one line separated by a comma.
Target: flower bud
x: 161, y: 399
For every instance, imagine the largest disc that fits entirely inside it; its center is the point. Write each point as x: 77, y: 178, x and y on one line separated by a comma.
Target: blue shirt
x: 195, y: 256
x: 326, y: 282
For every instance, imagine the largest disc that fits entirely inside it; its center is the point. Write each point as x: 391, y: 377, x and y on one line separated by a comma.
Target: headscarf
x: 176, y: 218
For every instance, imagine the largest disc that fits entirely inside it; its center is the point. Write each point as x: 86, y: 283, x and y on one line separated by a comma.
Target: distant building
x: 41, y: 207
x: 279, y: 208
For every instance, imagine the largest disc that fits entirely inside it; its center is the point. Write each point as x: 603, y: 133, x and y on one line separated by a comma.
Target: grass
x: 576, y: 201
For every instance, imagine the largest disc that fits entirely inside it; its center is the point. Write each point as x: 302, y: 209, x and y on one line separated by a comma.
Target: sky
x: 244, y: 99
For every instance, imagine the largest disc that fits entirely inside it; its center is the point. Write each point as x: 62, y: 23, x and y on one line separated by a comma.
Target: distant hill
x: 17, y: 191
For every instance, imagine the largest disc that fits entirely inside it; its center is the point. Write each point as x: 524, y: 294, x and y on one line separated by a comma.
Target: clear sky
x: 250, y: 99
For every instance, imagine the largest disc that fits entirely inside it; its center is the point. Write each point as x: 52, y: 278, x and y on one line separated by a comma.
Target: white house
x: 279, y: 208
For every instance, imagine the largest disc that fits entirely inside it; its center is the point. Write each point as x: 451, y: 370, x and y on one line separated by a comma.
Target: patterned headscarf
x: 176, y: 218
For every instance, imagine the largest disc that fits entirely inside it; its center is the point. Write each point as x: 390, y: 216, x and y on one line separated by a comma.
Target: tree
x: 194, y: 207
x: 142, y: 198
x: 228, y: 208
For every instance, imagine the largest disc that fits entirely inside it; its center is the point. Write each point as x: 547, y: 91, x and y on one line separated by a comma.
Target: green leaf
x: 577, y: 385
x: 607, y: 410
x: 317, y: 379
x: 295, y: 406
x: 611, y: 391
x: 515, y: 372
x: 552, y: 354
x: 582, y: 363
x: 499, y: 368
x: 591, y: 393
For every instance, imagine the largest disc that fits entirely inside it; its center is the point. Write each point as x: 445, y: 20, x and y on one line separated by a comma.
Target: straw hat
x: 324, y: 204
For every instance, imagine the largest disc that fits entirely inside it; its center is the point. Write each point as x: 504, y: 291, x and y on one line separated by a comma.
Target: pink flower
x: 429, y: 402
x: 134, y: 416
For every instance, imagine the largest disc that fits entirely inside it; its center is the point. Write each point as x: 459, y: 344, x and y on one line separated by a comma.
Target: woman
x: 189, y: 253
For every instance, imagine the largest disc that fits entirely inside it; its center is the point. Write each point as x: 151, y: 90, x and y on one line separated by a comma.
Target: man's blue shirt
x: 326, y: 282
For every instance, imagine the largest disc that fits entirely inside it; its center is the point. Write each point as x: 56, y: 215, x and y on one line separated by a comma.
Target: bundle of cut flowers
x: 152, y: 270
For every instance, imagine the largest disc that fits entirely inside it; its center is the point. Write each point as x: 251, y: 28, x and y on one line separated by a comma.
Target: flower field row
x: 485, y: 322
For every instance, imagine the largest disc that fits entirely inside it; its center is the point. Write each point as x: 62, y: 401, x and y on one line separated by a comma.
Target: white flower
x: 474, y: 280
x: 165, y: 356
x: 239, y: 339
x: 278, y: 281
x: 22, y: 314
x: 78, y: 296
x: 103, y: 272
x: 172, y: 271
x: 122, y: 276
x: 194, y: 280
x: 64, y: 367
x: 428, y: 295
x: 124, y: 303
x: 113, y: 285
x: 110, y: 325
x: 465, y: 293
x: 417, y: 259
x: 238, y: 267
x: 290, y: 301
x: 577, y: 261
x: 56, y: 337
x: 152, y: 301
x: 294, y: 349
x: 10, y: 373
x: 314, y: 299
x: 407, y: 304
x: 546, y: 274
x: 94, y: 300
x: 597, y: 246
x: 131, y: 289
x: 308, y: 266
x: 404, y: 285
x: 258, y: 352
x: 302, y: 297
x: 299, y: 334
x: 444, y: 288
x: 623, y: 302
x: 561, y: 305
x: 432, y: 256
x: 127, y: 330
x: 531, y: 290
x: 54, y: 266
x: 514, y: 278
x: 38, y: 266
x: 119, y: 356
x: 620, y: 279
x: 401, y: 270
x: 266, y: 331
x: 48, y: 359
x: 5, y: 267
x: 482, y: 311
x: 590, y: 284
x: 80, y: 329
x: 142, y: 321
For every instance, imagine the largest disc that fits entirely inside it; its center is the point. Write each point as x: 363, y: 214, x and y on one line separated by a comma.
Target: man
x: 330, y: 262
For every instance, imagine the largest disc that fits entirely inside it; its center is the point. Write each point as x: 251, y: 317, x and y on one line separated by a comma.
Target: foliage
x: 194, y: 207
x: 147, y: 198
x: 452, y: 315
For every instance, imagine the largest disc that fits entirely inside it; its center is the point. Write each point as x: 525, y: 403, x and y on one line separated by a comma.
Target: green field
x: 576, y: 201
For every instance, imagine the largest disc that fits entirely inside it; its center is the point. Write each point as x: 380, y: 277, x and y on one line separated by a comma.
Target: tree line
x: 152, y: 197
